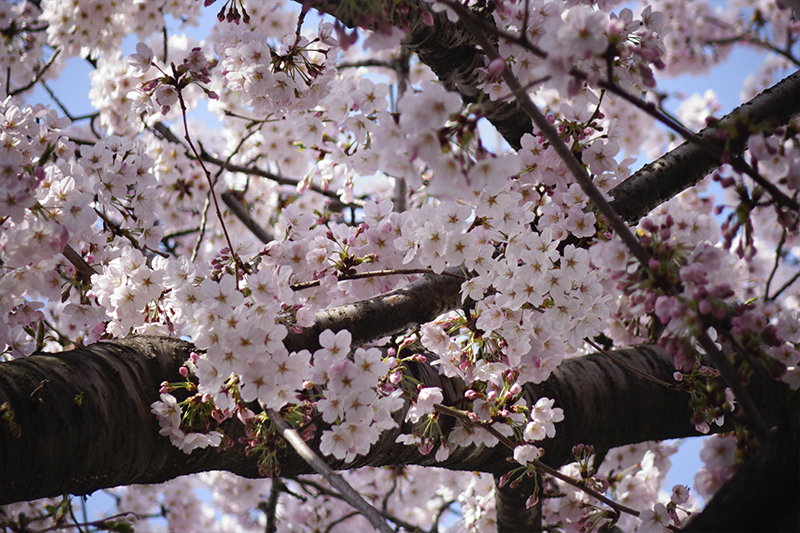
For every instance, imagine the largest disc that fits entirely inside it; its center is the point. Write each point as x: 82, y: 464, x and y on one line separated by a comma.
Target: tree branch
x: 513, y: 514
x: 418, y: 302
x: 763, y: 494
x: 450, y: 50
x: 110, y: 438
x: 231, y: 199
x: 687, y: 164
x: 336, y: 481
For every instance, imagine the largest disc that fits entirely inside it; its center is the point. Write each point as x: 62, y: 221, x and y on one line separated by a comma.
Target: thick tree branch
x: 85, y: 418
x: 763, y: 494
x: 109, y: 437
x: 513, y: 513
x: 387, y: 314
x: 687, y: 164
x: 85, y: 415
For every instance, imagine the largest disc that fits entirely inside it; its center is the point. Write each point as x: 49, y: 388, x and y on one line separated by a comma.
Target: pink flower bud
x: 496, y: 66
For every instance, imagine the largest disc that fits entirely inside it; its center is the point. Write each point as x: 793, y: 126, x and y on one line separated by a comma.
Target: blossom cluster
x: 23, y: 57
x: 300, y: 141
x: 290, y: 76
x: 352, y: 397
x: 87, y: 28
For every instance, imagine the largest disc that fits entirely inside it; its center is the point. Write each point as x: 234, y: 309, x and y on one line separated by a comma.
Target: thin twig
x: 211, y: 192
x: 165, y: 132
x: 784, y: 286
x: 280, y: 180
x: 754, y: 40
x: 778, y: 253
x: 400, y: 65
x: 732, y: 380
x: 38, y: 75
x: 626, y: 366
x: 271, y: 505
x: 337, y: 481
x: 201, y: 235
x: 443, y: 409
x: 442, y: 509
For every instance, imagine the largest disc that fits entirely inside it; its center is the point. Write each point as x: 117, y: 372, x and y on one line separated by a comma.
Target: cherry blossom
x: 340, y: 171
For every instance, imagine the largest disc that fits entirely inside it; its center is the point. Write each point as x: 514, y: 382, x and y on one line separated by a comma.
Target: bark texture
x: 112, y: 439
x: 687, y: 164
x: 387, y: 314
x: 764, y: 495
x: 85, y: 415
x: 513, y: 513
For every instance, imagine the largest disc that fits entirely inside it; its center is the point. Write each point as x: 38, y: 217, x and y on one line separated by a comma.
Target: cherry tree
x: 410, y: 282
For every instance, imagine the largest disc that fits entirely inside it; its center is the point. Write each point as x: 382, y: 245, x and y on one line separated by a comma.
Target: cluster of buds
x: 167, y: 88
x: 230, y: 11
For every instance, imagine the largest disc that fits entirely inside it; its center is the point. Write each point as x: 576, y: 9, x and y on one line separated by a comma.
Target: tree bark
x: 764, y: 493
x: 683, y: 167
x: 110, y: 438
x: 85, y: 415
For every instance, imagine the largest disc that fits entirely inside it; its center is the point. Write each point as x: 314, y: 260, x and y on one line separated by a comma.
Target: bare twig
x: 778, y: 254
x: 280, y: 180
x: 38, y: 75
x: 241, y: 212
x: 335, y: 479
x: 784, y: 286
x: 204, y: 156
x: 211, y: 192
x: 626, y: 366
